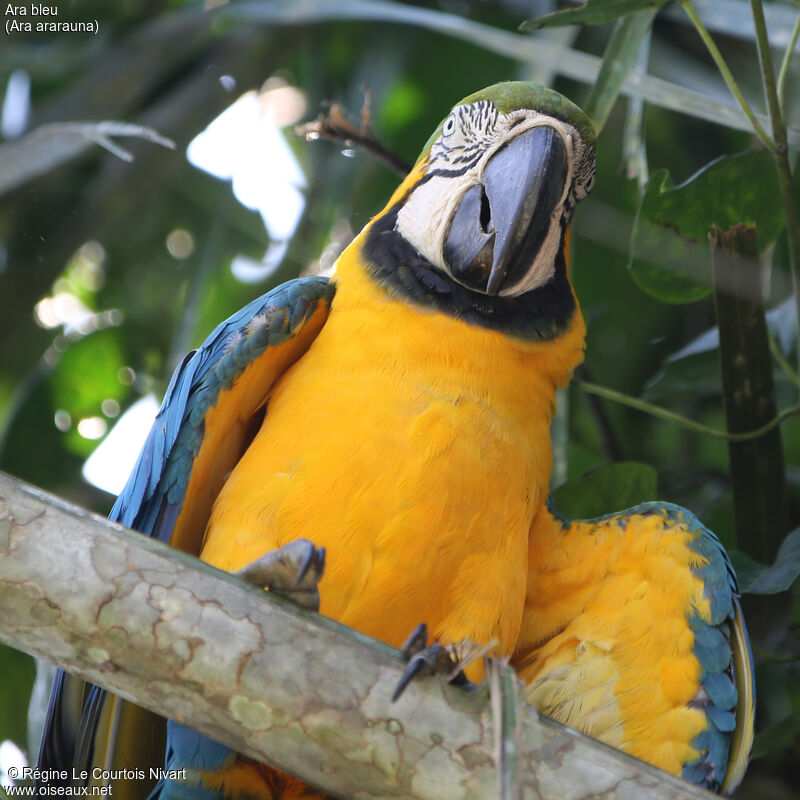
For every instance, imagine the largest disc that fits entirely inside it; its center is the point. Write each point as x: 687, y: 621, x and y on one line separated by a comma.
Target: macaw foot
x: 429, y: 659
x: 292, y: 571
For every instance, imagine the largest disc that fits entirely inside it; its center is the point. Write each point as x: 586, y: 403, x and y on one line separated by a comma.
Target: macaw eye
x: 449, y: 126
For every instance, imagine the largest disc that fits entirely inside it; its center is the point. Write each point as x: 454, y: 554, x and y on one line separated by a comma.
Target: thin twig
x: 726, y: 74
x: 366, y: 112
x: 611, y: 444
x: 781, y: 146
x: 335, y: 126
x: 787, y: 60
x: 633, y: 147
x: 781, y: 359
x: 679, y: 419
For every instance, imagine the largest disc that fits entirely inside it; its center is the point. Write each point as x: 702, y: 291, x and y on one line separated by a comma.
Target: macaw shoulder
x: 703, y: 550
x: 210, y: 406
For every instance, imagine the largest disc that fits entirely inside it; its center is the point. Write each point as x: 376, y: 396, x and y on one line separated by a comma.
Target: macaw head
x: 499, y: 181
x: 479, y: 226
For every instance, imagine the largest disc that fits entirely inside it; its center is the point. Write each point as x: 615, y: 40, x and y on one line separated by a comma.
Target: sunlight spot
x: 16, y: 105
x: 87, y: 265
x: 62, y: 419
x: 245, y: 145
x: 92, y: 427
x: 11, y: 758
x: 110, y: 407
x: 180, y: 243
x: 63, y: 308
x: 69, y: 304
x: 248, y: 270
x: 126, y: 376
x: 109, y: 465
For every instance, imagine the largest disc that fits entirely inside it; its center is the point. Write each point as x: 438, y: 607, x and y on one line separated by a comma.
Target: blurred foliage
x: 610, y: 487
x: 757, y: 579
x: 94, y: 230
x: 670, y: 256
x: 592, y: 12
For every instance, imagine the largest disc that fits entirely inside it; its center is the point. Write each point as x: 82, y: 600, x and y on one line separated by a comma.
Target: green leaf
x: 695, y: 376
x: 15, y: 690
x: 755, y: 578
x: 593, y: 12
x: 85, y: 376
x: 618, y: 60
x: 670, y: 253
x: 607, y: 489
x: 747, y: 569
x: 694, y: 369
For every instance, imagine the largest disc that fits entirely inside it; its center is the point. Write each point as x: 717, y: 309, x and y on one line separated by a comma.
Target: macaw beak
x: 499, y: 225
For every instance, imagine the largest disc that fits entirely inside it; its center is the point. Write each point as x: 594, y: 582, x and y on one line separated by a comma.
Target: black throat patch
x: 543, y: 313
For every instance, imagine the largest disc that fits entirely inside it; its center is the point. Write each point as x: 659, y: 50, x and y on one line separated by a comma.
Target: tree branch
x: 335, y: 126
x: 48, y: 146
x: 273, y: 681
x: 761, y: 510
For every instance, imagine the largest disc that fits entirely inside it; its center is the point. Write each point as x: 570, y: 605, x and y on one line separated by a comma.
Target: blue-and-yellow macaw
x: 398, y: 415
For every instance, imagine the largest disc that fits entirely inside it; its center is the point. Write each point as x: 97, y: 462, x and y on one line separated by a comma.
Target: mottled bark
x: 273, y: 681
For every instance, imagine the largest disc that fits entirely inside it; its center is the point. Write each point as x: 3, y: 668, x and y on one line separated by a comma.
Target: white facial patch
x: 470, y: 137
x: 424, y: 219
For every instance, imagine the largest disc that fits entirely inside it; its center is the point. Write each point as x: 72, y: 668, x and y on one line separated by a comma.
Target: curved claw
x: 431, y: 660
x: 418, y: 640
x: 292, y: 571
x: 313, y: 555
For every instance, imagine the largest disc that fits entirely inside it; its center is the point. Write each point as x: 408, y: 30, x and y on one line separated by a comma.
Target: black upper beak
x: 499, y: 225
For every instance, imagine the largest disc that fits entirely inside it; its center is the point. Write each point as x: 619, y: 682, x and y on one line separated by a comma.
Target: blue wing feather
x: 187, y: 747
x: 723, y: 692
x: 162, y: 472
x: 153, y: 496
x: 725, y: 697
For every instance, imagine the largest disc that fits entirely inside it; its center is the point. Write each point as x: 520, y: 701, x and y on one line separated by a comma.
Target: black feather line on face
x: 540, y: 314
